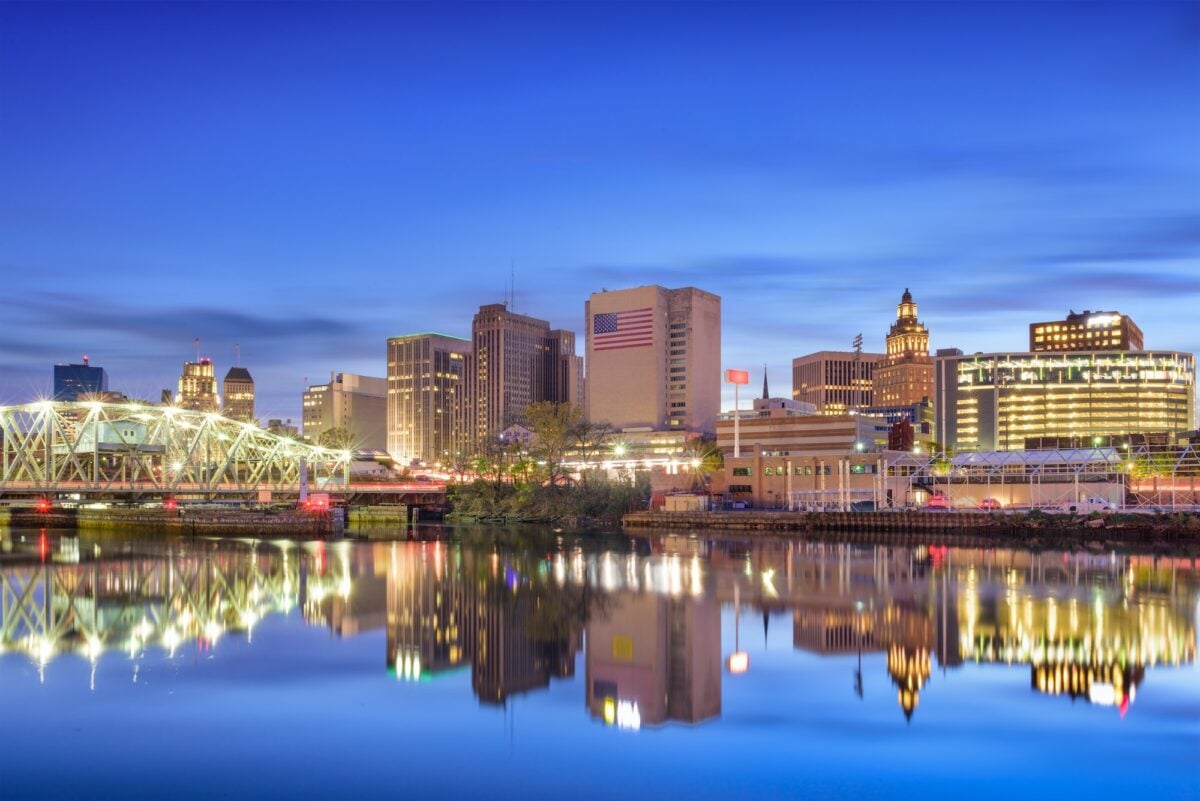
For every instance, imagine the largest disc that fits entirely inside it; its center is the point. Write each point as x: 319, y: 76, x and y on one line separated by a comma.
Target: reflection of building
x: 653, y: 658
x: 909, y: 670
x: 356, y: 404
x: 198, y: 387
x: 1000, y: 401
x: 834, y: 381
x: 654, y: 358
x: 1086, y: 331
x: 238, y: 394
x: 905, y: 375
x: 514, y: 648
x: 424, y: 394
x: 73, y: 380
x: 426, y: 607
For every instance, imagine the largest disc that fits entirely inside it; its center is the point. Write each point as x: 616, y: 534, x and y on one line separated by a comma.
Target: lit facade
x: 1086, y: 331
x: 425, y: 389
x: 198, y: 387
x: 835, y: 381
x: 654, y: 358
x: 905, y: 374
x: 999, y: 401
x: 237, y: 393
x: 354, y: 403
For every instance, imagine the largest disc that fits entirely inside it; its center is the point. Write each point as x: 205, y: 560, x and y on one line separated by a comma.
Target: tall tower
x: 904, y: 375
x: 198, y: 386
x: 425, y: 390
x: 238, y: 394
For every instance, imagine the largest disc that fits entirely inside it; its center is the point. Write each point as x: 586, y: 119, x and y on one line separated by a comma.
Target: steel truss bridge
x: 134, y: 451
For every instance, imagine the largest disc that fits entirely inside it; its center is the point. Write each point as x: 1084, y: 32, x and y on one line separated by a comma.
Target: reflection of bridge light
x: 43, y: 650
x: 171, y: 640
x: 92, y: 648
x: 344, y: 587
x: 212, y: 631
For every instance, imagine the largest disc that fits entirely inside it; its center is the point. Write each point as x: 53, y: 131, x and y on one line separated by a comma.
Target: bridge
x: 92, y: 451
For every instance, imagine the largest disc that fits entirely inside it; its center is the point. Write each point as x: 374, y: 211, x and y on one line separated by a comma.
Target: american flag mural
x: 624, y: 329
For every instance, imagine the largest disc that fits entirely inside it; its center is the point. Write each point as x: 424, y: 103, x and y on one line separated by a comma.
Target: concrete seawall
x: 1174, y: 531
x: 282, y: 524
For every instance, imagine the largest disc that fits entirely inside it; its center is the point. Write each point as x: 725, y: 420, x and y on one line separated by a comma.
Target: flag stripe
x: 633, y: 328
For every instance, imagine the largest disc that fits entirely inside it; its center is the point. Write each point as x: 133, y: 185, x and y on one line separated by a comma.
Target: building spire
x: 766, y: 392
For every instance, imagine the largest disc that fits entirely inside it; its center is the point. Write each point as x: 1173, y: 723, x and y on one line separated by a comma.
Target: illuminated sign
x: 1103, y: 320
x: 737, y: 376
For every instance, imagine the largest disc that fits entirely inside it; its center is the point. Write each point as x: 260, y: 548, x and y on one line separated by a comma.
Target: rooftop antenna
x: 196, y: 342
x: 512, y: 281
x: 237, y: 350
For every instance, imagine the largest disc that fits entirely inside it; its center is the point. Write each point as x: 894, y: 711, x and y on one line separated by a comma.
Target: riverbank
x: 1166, y: 530
x: 265, y: 523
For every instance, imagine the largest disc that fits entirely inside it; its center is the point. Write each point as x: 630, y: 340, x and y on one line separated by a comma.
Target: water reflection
x: 1086, y: 626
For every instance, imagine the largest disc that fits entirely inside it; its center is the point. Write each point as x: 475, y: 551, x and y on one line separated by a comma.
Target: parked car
x: 938, y: 502
x: 989, y: 505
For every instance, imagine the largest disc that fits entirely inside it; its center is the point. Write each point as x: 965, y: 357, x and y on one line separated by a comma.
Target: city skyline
x: 806, y: 179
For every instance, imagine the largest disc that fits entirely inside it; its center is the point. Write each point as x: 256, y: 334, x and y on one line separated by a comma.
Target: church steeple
x: 766, y: 392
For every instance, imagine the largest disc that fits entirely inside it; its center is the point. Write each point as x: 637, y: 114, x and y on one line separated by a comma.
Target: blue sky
x: 306, y: 180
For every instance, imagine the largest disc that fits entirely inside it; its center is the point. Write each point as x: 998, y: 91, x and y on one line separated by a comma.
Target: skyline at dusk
x: 307, y: 185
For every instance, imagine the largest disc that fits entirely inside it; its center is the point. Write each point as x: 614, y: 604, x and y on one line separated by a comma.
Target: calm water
x: 660, y: 667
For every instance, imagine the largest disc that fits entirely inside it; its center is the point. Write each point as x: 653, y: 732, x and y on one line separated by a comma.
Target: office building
x: 425, y: 390
x: 1004, y: 401
x: 1086, y: 331
x: 515, y: 361
x: 198, y: 387
x: 355, y: 405
x: 238, y: 394
x: 904, y: 375
x: 835, y: 381
x: 74, y: 380
x: 654, y: 358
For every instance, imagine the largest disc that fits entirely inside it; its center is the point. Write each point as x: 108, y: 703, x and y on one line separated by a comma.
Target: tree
x: 338, y: 438
x: 555, y: 427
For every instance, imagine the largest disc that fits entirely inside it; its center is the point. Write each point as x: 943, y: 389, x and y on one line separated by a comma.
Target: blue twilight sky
x: 308, y: 179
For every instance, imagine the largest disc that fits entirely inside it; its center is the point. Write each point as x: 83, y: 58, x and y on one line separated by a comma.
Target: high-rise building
x: 198, y: 387
x: 238, y: 394
x: 654, y: 358
x: 835, y: 381
x: 1086, y: 331
x: 564, y: 369
x: 516, y: 361
x: 425, y: 390
x: 1006, y: 401
x: 904, y: 375
x: 73, y: 380
x: 354, y: 404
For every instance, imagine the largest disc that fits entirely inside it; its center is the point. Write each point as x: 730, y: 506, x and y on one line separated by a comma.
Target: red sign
x: 737, y: 376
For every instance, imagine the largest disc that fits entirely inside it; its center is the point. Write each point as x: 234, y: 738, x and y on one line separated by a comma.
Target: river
x: 535, y: 664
